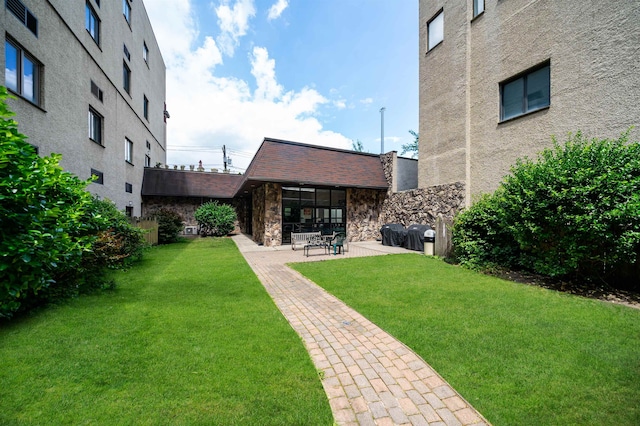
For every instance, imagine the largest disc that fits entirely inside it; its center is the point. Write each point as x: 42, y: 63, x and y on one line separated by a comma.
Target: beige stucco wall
x: 71, y: 59
x: 595, y: 83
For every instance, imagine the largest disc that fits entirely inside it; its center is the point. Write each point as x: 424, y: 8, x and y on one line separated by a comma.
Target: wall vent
x: 23, y: 14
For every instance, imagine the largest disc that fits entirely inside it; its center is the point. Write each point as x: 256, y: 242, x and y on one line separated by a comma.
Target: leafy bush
x: 169, y: 225
x: 575, y: 212
x: 215, y: 219
x: 42, y: 208
x: 55, y: 238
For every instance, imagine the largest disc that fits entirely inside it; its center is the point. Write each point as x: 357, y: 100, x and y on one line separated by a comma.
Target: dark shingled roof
x: 293, y: 162
x: 279, y: 161
x: 174, y: 183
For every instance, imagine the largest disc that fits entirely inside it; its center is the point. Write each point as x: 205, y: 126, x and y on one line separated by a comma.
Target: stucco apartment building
x: 89, y: 83
x: 499, y: 77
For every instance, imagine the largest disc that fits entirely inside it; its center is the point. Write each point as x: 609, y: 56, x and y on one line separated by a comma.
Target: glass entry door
x: 312, y: 209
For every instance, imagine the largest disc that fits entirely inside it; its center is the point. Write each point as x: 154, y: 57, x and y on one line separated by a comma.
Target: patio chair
x: 337, y: 242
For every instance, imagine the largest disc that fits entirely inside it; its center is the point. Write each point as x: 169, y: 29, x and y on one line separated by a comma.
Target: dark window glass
x: 307, y: 196
x: 99, y: 175
x: 95, y: 126
x: 527, y: 93
x: 126, y: 78
x: 323, y: 197
x: 338, y: 197
x: 128, y: 187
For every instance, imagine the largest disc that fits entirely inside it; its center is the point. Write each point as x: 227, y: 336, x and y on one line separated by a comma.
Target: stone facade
x: 364, y: 210
x: 273, y: 215
x: 187, y: 206
x: 422, y: 206
x: 258, y: 213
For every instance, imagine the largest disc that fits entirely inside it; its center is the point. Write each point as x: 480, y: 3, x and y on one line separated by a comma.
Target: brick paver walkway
x: 370, y: 377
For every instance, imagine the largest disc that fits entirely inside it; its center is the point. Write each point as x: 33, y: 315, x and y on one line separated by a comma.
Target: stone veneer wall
x: 424, y: 205
x: 273, y: 214
x: 187, y: 206
x: 364, y: 208
x: 258, y: 214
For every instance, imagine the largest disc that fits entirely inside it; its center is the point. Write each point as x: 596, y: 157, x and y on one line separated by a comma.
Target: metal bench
x: 302, y: 238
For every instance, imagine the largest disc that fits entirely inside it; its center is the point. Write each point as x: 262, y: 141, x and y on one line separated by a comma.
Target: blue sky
x: 313, y: 71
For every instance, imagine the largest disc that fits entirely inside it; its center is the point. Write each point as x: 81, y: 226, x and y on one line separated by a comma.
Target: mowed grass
x: 189, y: 337
x: 521, y: 355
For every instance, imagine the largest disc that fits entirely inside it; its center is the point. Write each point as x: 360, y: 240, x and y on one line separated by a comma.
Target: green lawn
x: 521, y: 355
x: 188, y: 337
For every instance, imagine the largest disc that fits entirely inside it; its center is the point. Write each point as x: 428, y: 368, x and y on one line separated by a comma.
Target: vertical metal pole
x: 224, y: 156
x: 382, y: 130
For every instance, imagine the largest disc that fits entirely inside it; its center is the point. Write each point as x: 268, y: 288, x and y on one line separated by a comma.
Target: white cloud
x: 208, y: 111
x: 277, y: 8
x: 233, y: 22
x: 340, y: 104
x: 366, y: 101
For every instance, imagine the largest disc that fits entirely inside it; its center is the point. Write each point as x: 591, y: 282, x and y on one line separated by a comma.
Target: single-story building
x: 295, y: 187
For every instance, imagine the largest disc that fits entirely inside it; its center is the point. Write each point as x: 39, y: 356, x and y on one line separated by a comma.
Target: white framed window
x: 435, y: 30
x: 95, y: 126
x: 92, y: 23
x: 525, y: 93
x: 126, y: 11
x: 22, y: 72
x: 145, y: 107
x: 145, y: 52
x: 128, y: 151
x: 147, y: 161
x: 478, y: 7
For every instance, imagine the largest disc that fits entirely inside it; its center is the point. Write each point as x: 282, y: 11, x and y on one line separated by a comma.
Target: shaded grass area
x: 521, y: 355
x: 189, y: 336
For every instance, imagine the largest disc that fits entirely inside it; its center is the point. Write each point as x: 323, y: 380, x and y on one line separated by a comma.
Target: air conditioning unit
x: 190, y: 230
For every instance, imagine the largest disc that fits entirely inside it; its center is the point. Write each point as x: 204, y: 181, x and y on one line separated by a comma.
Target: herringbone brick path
x: 370, y: 377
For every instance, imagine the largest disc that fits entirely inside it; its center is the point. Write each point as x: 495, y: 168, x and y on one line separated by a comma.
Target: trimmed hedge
x: 572, y: 213
x: 215, y: 219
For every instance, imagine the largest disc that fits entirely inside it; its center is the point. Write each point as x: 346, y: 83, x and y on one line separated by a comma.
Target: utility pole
x: 224, y: 157
x: 382, y: 130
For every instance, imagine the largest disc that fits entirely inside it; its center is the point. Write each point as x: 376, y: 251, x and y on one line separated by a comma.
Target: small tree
x: 215, y: 219
x: 169, y: 225
x: 411, y: 147
x: 356, y: 145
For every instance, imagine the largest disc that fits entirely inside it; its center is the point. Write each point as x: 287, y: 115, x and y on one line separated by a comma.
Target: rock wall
x: 273, y: 215
x: 257, y: 219
x: 187, y: 206
x: 364, y: 209
x: 423, y: 205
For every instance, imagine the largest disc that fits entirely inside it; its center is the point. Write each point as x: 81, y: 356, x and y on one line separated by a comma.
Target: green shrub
x: 43, y: 230
x: 215, y: 219
x: 479, y: 238
x: 574, y: 212
x: 169, y: 225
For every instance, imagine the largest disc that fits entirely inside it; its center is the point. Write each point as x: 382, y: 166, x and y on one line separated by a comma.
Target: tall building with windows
x: 89, y: 83
x: 499, y: 77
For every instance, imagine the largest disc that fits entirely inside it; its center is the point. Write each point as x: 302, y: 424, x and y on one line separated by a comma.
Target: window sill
x: 97, y: 143
x: 533, y: 111
x: 128, y: 162
x: 434, y: 47
x: 19, y: 96
x: 477, y: 17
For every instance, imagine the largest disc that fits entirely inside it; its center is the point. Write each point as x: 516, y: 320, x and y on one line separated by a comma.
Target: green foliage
x: 411, y: 147
x: 575, y: 212
x: 215, y: 219
x: 356, y: 145
x: 42, y: 212
x: 169, y: 225
x: 55, y: 239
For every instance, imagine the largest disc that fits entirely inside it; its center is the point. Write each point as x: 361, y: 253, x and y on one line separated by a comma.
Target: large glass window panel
x: 435, y: 31
x: 291, y: 194
x: 337, y: 215
x: 29, y: 80
x: 512, y: 99
x: 538, y: 93
x: 338, y: 197
x: 323, y: 197
x: 307, y: 196
x: 11, y: 66
x: 322, y: 215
